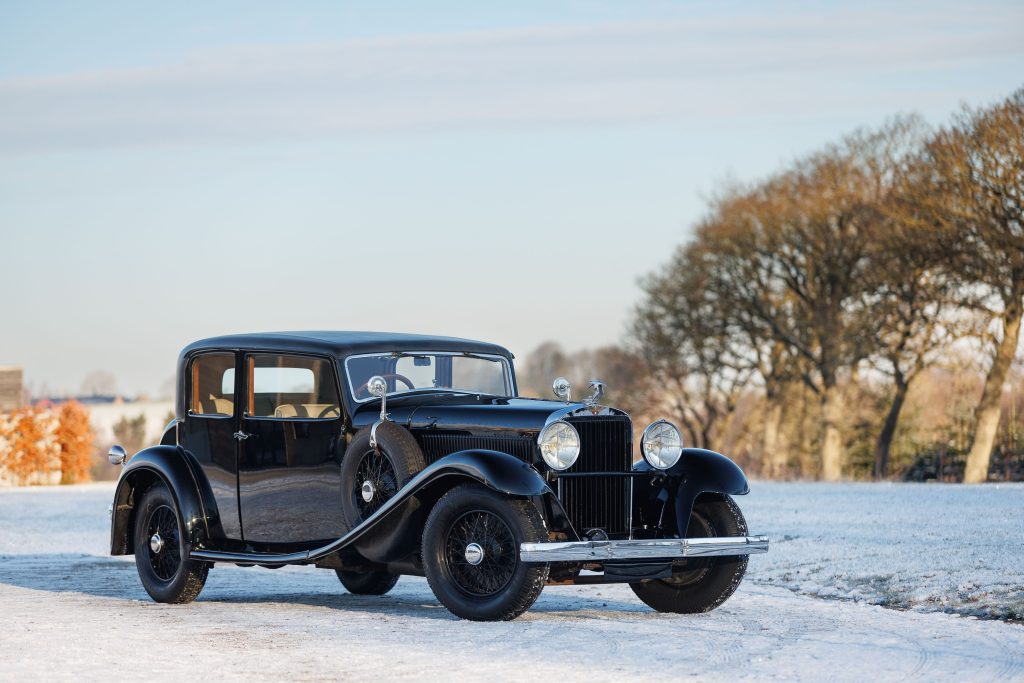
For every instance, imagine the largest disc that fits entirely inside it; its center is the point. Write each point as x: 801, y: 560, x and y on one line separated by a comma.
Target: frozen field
x: 71, y: 612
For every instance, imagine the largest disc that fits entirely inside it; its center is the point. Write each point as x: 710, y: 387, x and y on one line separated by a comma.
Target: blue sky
x: 504, y: 171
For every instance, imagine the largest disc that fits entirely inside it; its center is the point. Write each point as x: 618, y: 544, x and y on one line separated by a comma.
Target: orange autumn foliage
x: 27, y: 454
x: 45, y: 445
x: 75, y: 440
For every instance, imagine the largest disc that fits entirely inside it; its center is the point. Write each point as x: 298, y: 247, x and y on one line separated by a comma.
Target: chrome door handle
x: 242, y: 436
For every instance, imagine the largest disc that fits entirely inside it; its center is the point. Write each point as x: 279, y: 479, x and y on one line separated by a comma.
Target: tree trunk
x: 987, y: 413
x: 889, y: 428
x: 773, y: 458
x: 832, y: 445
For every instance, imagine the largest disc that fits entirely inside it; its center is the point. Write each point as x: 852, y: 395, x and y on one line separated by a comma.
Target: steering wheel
x: 388, y: 375
x: 325, y: 411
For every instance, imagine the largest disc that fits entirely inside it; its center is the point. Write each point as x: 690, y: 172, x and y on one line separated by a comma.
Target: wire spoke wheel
x: 480, y: 553
x: 164, y: 554
x: 375, y: 482
x: 696, y: 568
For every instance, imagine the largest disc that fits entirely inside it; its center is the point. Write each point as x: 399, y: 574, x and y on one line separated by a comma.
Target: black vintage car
x: 378, y: 455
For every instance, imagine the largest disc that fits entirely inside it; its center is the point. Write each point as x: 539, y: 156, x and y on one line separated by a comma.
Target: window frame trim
x: 506, y: 365
x: 249, y: 367
x: 193, y: 389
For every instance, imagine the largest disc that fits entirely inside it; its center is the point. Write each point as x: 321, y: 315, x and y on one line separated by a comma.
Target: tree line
x: 869, y: 262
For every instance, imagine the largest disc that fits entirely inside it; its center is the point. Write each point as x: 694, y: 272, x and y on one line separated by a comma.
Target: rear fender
x: 170, y: 466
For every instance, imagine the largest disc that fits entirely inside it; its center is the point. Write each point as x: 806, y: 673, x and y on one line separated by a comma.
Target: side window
x: 213, y: 384
x: 291, y: 387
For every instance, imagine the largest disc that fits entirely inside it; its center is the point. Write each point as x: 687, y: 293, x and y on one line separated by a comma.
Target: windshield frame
x: 510, y: 383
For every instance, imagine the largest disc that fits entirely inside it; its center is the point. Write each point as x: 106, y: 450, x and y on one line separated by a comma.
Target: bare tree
x: 99, y: 383
x: 684, y: 336
x: 796, y: 256
x: 915, y: 326
x: 970, y: 197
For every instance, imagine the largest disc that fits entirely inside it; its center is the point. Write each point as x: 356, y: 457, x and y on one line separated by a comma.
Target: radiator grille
x: 600, y: 502
x: 606, y: 444
x: 436, y: 446
x: 596, y: 502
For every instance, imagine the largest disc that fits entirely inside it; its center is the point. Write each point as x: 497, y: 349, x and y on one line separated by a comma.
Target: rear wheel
x: 367, y: 583
x: 705, y: 583
x: 161, y: 550
x: 471, y: 554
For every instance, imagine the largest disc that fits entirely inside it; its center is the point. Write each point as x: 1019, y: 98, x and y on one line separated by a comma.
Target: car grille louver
x: 600, y: 502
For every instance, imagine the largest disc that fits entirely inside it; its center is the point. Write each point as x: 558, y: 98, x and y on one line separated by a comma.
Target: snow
x: 70, y: 611
x: 925, y: 547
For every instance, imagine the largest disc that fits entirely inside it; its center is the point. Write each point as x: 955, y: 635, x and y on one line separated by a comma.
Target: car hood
x: 468, y: 412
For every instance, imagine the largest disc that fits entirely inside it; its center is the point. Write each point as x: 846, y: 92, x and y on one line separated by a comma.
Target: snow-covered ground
x: 68, y: 611
x: 926, y: 547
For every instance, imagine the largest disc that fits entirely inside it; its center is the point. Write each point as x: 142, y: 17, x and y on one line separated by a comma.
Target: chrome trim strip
x: 655, y: 549
x: 505, y: 364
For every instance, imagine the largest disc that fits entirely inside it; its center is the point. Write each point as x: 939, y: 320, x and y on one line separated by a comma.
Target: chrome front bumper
x: 654, y: 549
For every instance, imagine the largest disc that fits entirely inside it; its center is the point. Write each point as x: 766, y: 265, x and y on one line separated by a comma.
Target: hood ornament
x: 597, y: 387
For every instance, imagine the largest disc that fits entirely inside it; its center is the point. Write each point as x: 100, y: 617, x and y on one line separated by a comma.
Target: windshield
x: 446, y: 371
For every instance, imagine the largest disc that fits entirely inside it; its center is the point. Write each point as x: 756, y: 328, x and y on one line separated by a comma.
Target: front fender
x: 698, y: 471
x: 398, y: 533
x: 157, y: 464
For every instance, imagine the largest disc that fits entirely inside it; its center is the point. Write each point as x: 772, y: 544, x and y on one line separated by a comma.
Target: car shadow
x: 116, y: 578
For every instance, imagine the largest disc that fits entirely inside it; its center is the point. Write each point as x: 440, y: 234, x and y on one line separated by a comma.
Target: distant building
x: 10, y: 387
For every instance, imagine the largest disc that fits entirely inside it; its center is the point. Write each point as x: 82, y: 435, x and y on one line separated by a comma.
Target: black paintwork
x: 274, y: 497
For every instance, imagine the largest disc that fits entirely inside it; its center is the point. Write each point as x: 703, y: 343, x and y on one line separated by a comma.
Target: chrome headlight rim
x: 667, y: 457
x: 572, y: 444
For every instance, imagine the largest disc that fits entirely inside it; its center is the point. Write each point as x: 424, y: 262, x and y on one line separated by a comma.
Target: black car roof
x: 341, y: 343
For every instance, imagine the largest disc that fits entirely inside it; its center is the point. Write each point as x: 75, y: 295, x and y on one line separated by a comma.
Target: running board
x: 652, y: 549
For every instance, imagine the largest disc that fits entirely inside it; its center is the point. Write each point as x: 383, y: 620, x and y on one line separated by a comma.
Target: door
x: 208, y: 431
x: 289, y: 478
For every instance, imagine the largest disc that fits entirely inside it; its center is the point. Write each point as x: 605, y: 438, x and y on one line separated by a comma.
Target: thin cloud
x: 692, y: 70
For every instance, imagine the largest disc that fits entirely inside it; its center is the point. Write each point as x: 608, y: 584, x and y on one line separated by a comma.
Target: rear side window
x: 213, y: 384
x: 291, y: 387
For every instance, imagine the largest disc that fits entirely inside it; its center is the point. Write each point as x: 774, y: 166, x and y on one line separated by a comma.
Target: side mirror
x: 117, y: 455
x: 377, y: 386
x: 562, y: 389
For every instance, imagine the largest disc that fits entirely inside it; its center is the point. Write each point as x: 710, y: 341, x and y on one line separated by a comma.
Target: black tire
x: 166, y: 572
x: 705, y: 583
x: 367, y: 583
x: 397, y: 460
x: 499, y: 587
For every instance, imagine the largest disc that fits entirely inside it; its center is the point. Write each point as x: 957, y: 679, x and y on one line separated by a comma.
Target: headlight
x: 559, y: 444
x: 661, y: 445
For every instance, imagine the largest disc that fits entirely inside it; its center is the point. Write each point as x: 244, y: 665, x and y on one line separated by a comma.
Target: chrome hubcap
x: 156, y: 544
x: 368, y: 491
x: 474, y: 554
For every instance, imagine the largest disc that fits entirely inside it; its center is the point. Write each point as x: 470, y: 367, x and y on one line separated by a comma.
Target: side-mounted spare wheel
x: 370, y: 476
x: 471, y: 553
x: 161, y: 550
x: 704, y: 583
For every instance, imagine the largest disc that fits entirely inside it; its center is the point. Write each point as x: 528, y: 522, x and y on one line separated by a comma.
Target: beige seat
x: 218, y: 406
x: 303, y: 410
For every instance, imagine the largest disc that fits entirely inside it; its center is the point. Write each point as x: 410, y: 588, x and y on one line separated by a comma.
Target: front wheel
x: 471, y: 554
x: 704, y: 583
x: 161, y: 550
